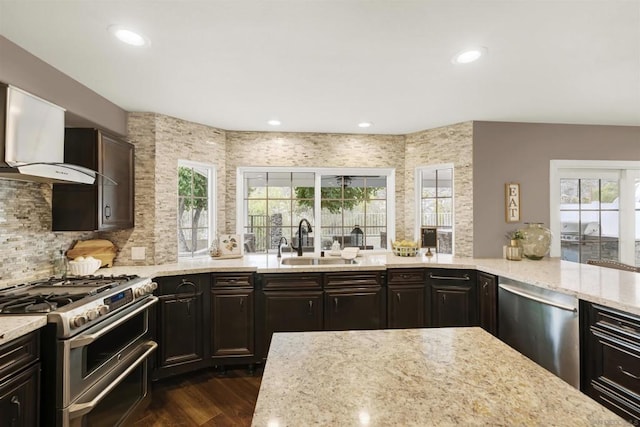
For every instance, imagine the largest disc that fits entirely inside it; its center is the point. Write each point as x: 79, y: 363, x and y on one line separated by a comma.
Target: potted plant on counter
x: 514, y: 250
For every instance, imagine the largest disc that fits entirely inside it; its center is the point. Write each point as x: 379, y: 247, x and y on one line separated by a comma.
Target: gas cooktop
x: 44, y: 296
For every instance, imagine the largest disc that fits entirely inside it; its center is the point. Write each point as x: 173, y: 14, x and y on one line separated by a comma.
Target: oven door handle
x: 78, y: 409
x: 83, y: 340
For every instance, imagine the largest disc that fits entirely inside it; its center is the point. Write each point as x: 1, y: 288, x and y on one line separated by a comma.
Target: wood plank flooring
x: 205, y: 398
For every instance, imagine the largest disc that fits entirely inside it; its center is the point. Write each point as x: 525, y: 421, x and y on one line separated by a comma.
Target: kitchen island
x: 444, y: 376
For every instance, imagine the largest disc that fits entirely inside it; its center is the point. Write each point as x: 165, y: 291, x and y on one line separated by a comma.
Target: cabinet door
x: 291, y: 311
x: 116, y: 201
x: 488, y: 302
x: 354, y: 308
x: 406, y: 306
x: 450, y: 307
x: 20, y: 397
x: 180, y: 329
x: 452, y: 298
x: 232, y: 326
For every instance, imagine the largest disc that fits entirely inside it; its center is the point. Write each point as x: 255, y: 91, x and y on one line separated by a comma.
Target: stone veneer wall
x: 447, y: 144
x: 313, y: 150
x: 26, y: 239
x: 160, y: 142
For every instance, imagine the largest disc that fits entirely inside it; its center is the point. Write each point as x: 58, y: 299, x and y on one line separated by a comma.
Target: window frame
x: 418, y: 174
x: 211, y: 205
x: 319, y: 172
x: 625, y: 171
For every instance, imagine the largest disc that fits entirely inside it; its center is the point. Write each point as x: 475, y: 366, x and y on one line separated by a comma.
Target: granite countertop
x: 12, y: 327
x: 612, y: 288
x: 442, y: 376
x: 609, y: 287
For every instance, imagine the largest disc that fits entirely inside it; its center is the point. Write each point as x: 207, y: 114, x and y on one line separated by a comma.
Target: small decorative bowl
x: 84, y: 267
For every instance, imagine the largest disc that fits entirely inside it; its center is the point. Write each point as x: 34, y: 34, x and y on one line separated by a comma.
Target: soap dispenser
x: 335, y: 247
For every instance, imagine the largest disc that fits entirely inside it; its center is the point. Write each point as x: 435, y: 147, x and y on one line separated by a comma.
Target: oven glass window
x: 114, y: 342
x: 123, y: 398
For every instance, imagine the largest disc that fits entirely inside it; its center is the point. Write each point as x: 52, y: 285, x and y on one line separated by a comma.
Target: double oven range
x: 95, y: 348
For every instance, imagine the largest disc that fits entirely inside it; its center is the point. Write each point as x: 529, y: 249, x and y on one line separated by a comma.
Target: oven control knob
x: 78, y: 321
x: 139, y: 291
x: 92, y: 314
x: 148, y: 288
x: 102, y: 309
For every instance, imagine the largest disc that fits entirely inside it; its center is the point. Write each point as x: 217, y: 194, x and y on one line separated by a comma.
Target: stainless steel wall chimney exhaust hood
x: 32, y: 140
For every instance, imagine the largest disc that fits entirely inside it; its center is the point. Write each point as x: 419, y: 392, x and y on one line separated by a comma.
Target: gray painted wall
x: 520, y: 152
x: 85, y: 108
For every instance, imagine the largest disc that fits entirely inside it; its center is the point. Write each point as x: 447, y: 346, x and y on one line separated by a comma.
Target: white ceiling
x: 324, y: 66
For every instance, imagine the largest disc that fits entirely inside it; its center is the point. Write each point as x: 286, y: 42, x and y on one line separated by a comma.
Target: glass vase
x: 536, y: 242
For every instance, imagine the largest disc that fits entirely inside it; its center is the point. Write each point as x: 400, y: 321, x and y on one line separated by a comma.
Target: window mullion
x: 627, y: 217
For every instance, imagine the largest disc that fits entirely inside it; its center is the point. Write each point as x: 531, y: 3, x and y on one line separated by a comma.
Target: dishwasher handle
x: 536, y: 298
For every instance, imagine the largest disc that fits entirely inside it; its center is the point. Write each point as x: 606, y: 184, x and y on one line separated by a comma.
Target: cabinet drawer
x: 182, y: 285
x: 291, y: 281
x: 232, y: 280
x: 334, y: 280
x: 620, y: 325
x: 621, y: 365
x: 19, y: 353
x: 629, y: 409
x: 405, y: 276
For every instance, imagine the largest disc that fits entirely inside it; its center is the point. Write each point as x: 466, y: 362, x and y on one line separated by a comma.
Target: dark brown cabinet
x: 232, y: 318
x: 180, y: 326
x: 354, y: 301
x: 610, y: 359
x: 109, y: 203
x: 289, y: 303
x: 488, y: 302
x: 20, y: 381
x: 406, y: 298
x: 451, y: 298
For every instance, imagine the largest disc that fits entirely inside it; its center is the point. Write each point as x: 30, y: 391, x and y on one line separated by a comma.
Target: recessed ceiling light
x: 274, y: 122
x: 364, y: 124
x: 469, y: 55
x: 128, y: 36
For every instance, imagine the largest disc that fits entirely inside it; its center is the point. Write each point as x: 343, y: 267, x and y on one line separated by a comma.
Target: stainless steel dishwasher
x: 541, y: 324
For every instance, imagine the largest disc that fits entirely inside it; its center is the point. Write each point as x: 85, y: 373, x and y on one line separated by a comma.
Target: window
x: 595, y: 210
x: 195, y: 208
x: 434, y: 197
x: 353, y: 205
x: 354, y: 211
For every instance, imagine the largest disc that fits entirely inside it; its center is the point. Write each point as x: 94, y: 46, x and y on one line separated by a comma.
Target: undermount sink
x: 316, y: 261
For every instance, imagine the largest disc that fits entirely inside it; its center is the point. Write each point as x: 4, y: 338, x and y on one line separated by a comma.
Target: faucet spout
x: 280, y: 245
x: 309, y: 230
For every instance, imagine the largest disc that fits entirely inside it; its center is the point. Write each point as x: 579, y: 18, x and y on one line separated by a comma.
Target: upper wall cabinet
x: 106, y: 205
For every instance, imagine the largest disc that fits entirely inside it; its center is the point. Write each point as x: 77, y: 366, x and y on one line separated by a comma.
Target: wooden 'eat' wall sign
x: 512, y: 202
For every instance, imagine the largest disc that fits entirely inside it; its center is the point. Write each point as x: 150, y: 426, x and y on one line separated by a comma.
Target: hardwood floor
x: 204, y: 398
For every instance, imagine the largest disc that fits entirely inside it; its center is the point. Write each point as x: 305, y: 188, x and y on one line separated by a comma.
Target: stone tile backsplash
x: 26, y: 239
x: 28, y: 244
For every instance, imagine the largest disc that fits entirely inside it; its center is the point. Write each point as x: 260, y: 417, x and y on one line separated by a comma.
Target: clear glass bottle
x: 60, y: 264
x: 536, y: 240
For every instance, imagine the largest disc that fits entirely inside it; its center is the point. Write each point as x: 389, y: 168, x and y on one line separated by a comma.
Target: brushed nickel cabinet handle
x: 335, y: 303
x: 310, y: 307
x: 629, y: 374
x: 464, y: 277
x: 15, y: 400
x: 398, y: 297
